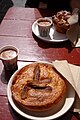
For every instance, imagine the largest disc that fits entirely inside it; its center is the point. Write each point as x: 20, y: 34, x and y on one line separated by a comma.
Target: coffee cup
x: 44, y: 25
x: 9, y: 56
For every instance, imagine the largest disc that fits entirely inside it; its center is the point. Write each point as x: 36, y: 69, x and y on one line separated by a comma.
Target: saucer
x: 53, y: 36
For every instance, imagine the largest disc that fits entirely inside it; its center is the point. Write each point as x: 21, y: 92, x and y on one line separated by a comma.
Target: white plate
x: 48, y: 115
x: 54, y: 36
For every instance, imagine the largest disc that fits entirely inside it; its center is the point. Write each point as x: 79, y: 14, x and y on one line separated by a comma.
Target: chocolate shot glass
x: 44, y: 25
x: 9, y: 56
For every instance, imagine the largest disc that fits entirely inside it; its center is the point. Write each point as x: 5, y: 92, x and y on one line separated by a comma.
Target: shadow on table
x: 50, y: 12
x: 4, y: 6
x: 45, y: 44
x: 6, y: 74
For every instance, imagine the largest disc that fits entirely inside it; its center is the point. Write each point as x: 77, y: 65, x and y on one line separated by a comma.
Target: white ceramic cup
x: 9, y: 56
x: 44, y: 25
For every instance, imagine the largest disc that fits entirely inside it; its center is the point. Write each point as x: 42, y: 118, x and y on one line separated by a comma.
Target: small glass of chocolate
x: 9, y: 56
x: 44, y: 25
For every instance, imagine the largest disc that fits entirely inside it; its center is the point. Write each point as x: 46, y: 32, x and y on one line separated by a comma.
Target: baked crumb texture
x: 38, y: 86
x: 60, y: 21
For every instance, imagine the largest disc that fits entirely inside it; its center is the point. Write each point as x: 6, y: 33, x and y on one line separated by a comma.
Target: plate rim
x: 9, y: 96
x: 44, y: 38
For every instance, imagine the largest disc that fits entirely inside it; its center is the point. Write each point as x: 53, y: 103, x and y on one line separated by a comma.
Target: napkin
x: 73, y: 33
x: 72, y: 74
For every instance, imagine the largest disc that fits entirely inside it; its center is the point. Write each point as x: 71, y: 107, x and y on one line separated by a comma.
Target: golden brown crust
x: 60, y: 21
x: 38, y: 86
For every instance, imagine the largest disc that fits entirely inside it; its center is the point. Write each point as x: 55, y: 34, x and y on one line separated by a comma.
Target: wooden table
x: 16, y: 30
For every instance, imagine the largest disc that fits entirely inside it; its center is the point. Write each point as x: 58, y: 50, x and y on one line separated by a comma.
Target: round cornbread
x: 38, y: 86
